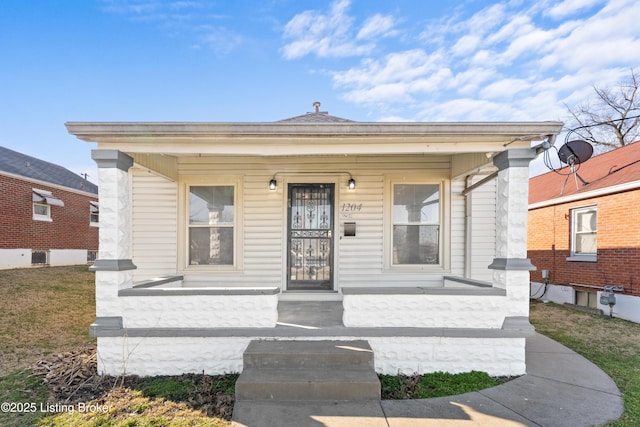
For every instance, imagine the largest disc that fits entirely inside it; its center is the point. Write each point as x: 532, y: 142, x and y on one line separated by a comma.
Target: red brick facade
x: 618, y: 243
x: 69, y: 228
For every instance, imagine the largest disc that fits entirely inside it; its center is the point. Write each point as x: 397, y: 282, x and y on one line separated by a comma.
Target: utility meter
x: 607, y: 298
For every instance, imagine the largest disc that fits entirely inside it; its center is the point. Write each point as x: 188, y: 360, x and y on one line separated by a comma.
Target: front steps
x: 308, y: 371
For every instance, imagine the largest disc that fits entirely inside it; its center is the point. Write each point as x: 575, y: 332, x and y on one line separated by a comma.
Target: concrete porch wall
x: 149, y: 356
x: 468, y: 307
x: 172, y: 351
x: 162, y: 307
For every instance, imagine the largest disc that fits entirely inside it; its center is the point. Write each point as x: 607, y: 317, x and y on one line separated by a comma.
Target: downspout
x: 467, y: 228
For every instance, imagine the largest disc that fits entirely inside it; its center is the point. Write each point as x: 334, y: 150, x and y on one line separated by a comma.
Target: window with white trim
x: 94, y: 214
x: 41, y: 212
x: 416, y: 224
x: 42, y: 202
x: 584, y: 234
x: 211, y: 224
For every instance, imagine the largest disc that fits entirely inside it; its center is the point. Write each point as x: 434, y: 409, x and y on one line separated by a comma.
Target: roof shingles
x: 31, y: 167
x: 617, y: 167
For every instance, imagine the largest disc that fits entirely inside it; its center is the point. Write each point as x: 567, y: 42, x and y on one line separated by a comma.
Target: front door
x: 310, y: 237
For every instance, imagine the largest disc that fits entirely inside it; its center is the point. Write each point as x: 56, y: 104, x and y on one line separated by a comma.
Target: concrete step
x: 308, y: 371
x: 308, y: 354
x: 308, y: 384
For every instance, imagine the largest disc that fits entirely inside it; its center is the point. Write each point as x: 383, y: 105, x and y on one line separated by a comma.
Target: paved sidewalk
x: 561, y: 389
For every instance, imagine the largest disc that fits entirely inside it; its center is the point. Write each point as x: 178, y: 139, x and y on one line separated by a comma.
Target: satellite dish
x: 576, y: 151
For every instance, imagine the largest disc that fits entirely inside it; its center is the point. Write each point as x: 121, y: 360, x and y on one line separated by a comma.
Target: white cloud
x: 504, y: 88
x: 569, y: 7
x: 505, y: 62
x: 325, y: 35
x: 467, y: 109
x: 469, y: 81
x: 376, y: 25
x: 466, y: 44
x: 485, y: 20
x: 333, y: 34
x: 395, y: 78
x: 607, y: 38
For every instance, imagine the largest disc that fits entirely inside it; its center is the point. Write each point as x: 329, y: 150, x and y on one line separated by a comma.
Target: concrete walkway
x: 561, y: 389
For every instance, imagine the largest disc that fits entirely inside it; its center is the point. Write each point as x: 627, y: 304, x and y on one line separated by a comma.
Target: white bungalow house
x: 418, y: 231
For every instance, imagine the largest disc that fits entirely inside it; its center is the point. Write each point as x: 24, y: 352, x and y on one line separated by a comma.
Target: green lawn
x: 46, y: 311
x: 612, y: 344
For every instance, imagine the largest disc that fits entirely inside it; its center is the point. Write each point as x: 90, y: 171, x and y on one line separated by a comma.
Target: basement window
x: 587, y: 299
x: 39, y: 257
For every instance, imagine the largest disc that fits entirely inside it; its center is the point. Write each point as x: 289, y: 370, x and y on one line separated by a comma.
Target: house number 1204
x: 351, y: 207
x: 347, y: 209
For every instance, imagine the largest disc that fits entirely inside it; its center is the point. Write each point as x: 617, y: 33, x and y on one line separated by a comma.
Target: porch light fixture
x: 351, y: 183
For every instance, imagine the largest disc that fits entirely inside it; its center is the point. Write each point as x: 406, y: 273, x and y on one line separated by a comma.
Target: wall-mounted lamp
x: 351, y: 183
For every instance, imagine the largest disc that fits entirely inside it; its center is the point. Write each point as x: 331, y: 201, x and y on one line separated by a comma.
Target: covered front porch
x: 213, y: 235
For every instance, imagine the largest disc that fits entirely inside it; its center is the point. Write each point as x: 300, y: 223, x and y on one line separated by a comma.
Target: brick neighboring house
x: 587, y: 236
x: 48, y: 214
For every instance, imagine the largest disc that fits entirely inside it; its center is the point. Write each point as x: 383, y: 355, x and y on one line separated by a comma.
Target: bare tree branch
x: 612, y: 119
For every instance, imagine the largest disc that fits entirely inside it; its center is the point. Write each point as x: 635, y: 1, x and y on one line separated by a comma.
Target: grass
x: 48, y: 310
x: 612, y: 344
x: 43, y: 310
x: 22, y: 388
x: 186, y: 400
x: 436, y: 384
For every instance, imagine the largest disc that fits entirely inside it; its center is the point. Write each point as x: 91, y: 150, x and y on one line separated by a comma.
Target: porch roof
x: 285, y: 138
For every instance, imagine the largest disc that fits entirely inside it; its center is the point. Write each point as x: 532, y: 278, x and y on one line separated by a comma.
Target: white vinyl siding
x: 481, y: 210
x: 263, y: 233
x: 458, y: 230
x: 362, y: 260
x: 154, y: 224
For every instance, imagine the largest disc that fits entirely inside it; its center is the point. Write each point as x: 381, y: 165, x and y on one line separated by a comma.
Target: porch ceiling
x: 278, y: 139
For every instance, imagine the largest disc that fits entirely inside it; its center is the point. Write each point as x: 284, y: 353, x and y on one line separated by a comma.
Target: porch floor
x: 310, y: 314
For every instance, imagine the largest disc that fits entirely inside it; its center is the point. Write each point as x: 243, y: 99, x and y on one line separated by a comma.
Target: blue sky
x: 241, y: 60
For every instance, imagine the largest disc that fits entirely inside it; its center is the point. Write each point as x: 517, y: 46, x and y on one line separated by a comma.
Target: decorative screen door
x: 310, y: 237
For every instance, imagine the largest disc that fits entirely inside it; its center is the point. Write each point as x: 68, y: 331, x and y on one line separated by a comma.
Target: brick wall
x: 549, y: 242
x: 69, y: 228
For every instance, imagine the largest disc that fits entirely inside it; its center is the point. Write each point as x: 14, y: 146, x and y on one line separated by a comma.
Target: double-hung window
x: 211, y: 224
x: 584, y: 234
x: 416, y: 224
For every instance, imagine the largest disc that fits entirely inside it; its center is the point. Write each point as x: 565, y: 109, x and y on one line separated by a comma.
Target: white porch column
x: 511, y: 265
x: 114, y: 266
